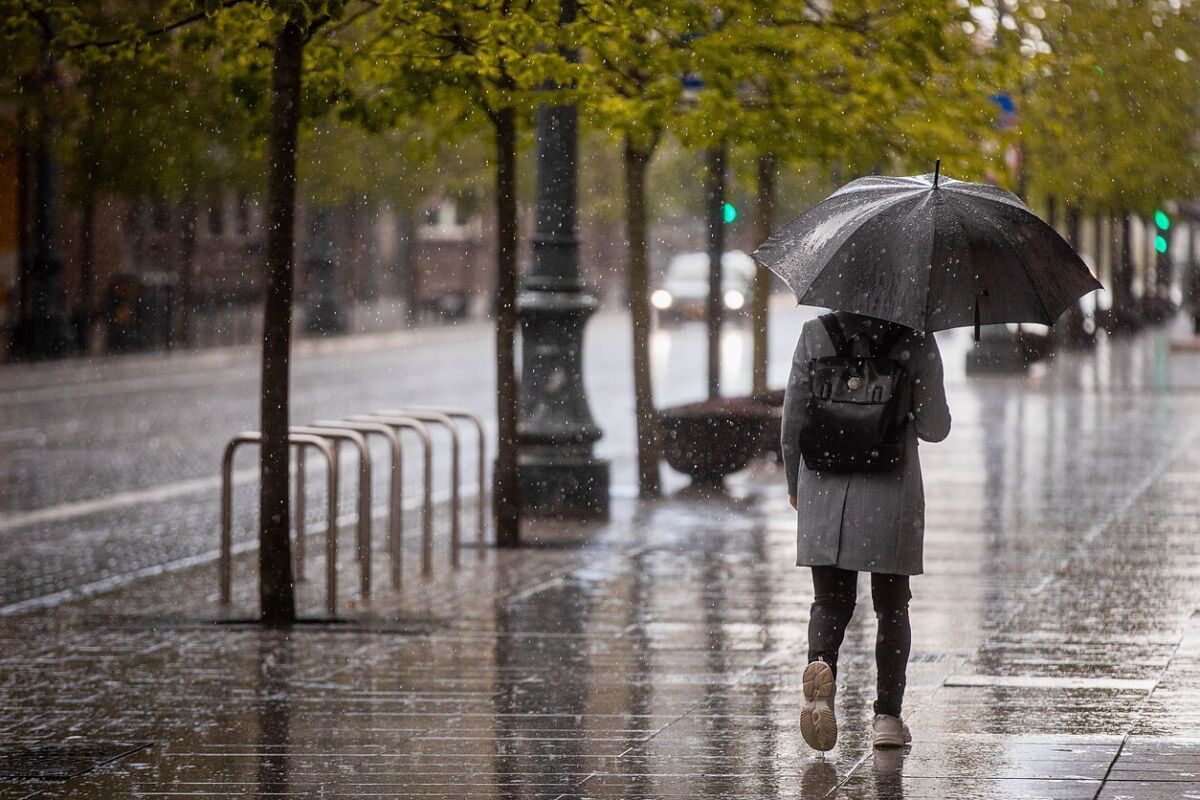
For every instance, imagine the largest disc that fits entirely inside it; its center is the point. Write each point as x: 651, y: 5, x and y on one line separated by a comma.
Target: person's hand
x: 792, y: 500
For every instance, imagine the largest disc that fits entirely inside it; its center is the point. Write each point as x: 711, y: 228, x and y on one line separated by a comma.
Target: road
x: 111, y: 465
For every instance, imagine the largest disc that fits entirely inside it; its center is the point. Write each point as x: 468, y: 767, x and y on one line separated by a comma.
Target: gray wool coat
x: 864, y: 521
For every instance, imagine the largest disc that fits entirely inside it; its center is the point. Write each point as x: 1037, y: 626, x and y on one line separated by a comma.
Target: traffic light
x: 1163, y: 223
x: 729, y: 213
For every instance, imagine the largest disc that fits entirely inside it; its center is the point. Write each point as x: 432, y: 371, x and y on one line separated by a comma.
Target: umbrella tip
x: 937, y: 171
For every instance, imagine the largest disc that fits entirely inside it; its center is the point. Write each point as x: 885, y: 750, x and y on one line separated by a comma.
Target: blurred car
x: 683, y: 292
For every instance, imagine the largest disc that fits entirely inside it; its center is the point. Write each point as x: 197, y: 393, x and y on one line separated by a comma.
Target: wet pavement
x: 1056, y: 642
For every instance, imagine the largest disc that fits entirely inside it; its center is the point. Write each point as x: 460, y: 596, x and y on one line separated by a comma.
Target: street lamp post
x: 559, y: 472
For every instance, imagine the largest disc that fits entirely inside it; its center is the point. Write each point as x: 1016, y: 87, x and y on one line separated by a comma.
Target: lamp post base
x: 557, y: 485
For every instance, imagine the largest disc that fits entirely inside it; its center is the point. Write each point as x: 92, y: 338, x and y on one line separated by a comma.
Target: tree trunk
x: 1149, y: 277
x: 649, y: 437
x: 25, y: 237
x: 276, y: 592
x: 188, y: 214
x: 506, y: 488
x: 1123, y: 277
x: 86, y: 312
x: 1114, y: 270
x: 715, y: 215
x: 759, y: 312
x: 1102, y: 246
x: 1075, y: 336
x: 1052, y: 212
x: 1193, y: 285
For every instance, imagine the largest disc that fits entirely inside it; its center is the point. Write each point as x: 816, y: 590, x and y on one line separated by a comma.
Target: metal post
x: 364, y: 495
x: 417, y: 427
x: 225, y: 556
x: 455, y: 457
x: 477, y: 423
x: 225, y: 559
x: 298, y: 569
x: 558, y: 470
x: 396, y: 488
x: 331, y: 527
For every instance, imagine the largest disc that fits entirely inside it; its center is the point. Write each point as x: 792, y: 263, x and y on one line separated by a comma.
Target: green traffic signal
x: 1163, y: 223
x: 729, y: 212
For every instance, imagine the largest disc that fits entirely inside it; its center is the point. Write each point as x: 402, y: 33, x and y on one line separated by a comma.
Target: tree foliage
x: 1109, y: 119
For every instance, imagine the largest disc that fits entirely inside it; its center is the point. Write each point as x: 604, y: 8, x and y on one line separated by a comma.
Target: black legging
x: 834, y: 593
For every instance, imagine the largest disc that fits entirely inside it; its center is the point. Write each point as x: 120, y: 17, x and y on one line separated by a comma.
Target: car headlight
x: 661, y: 299
x: 734, y: 299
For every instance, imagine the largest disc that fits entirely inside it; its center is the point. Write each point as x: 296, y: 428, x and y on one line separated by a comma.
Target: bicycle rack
x: 326, y: 436
x: 455, y: 470
x: 395, y: 490
x: 225, y: 561
x: 481, y: 478
x: 403, y: 422
x: 364, y: 493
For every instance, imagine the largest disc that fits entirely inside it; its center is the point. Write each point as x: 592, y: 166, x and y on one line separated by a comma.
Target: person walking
x: 860, y: 503
x: 909, y: 255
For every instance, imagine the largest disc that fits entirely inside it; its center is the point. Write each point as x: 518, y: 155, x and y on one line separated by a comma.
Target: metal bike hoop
x: 455, y: 470
x: 225, y: 560
x: 417, y: 427
x: 364, y: 495
x: 396, y: 486
x: 481, y: 478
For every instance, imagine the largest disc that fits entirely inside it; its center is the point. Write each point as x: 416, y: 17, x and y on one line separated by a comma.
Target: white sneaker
x: 818, y: 724
x: 890, y: 731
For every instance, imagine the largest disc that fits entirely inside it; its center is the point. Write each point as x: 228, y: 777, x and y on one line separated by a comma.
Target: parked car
x: 683, y: 292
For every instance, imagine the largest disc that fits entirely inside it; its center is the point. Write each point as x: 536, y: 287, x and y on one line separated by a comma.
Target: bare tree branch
x: 159, y: 31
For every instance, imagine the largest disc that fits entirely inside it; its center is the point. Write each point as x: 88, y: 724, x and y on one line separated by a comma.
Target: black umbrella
x: 930, y: 253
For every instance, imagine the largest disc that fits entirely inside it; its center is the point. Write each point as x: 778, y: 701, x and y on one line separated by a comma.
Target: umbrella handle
x: 937, y: 171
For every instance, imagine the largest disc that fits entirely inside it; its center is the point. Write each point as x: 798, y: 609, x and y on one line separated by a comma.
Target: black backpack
x: 858, y: 409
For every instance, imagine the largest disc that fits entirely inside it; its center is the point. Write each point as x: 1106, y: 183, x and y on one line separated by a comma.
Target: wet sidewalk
x: 1056, y: 647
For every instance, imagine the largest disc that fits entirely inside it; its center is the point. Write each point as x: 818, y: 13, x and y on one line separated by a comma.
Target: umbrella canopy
x: 928, y: 252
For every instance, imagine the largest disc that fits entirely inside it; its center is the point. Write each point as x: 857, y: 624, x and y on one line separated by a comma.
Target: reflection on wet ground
x: 1056, y: 640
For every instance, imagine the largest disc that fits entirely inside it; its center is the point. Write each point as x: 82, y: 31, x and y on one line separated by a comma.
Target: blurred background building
x: 159, y: 274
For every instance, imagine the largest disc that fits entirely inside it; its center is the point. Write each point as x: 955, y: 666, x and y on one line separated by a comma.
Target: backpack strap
x: 836, y: 335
